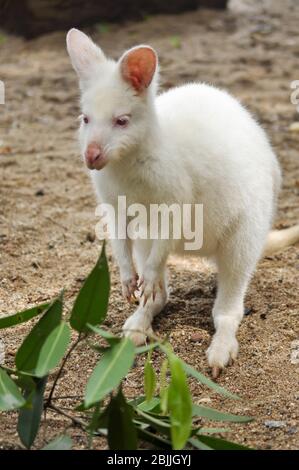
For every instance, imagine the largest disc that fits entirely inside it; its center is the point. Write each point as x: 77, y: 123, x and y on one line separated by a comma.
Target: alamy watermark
x: 151, y: 222
x: 2, y: 92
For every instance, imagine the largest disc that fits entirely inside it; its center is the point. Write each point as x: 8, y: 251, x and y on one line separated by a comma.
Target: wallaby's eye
x: 122, y: 121
x: 85, y: 119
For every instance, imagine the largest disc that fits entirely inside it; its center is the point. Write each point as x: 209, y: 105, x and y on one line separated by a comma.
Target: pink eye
x: 121, y: 121
x: 85, y: 119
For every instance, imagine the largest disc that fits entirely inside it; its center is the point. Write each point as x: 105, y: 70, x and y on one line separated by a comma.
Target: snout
x: 94, y: 157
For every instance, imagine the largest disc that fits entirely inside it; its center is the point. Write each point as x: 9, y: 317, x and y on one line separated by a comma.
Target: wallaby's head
x: 116, y: 101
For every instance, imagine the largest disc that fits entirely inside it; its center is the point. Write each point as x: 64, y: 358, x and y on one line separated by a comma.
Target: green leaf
x: 53, y: 349
x: 220, y: 444
x: 212, y: 430
x: 60, y: 443
x: 137, y: 401
x: 215, y: 415
x: 158, y: 422
x: 110, y: 370
x: 96, y: 420
x: 10, y: 396
x: 179, y: 404
x: 98, y: 349
x: 149, y: 380
x: 30, y: 417
x: 83, y: 407
x: 91, y: 303
x: 166, y: 348
x: 146, y: 348
x: 158, y: 441
x: 198, y: 444
x: 109, y: 337
x: 21, y: 317
x: 206, y: 381
x: 151, y: 405
x: 25, y: 381
x: 164, y: 387
x: 122, y: 434
x: 27, y: 356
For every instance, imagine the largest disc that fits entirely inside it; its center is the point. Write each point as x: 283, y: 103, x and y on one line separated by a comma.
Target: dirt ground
x: 47, y: 206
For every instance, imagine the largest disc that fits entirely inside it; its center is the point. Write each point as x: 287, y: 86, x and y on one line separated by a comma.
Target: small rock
x: 205, y: 400
x: 40, y: 192
x: 294, y: 127
x: 196, y: 337
x: 271, y: 424
x: 261, y: 28
x: 248, y: 311
x: 295, y: 351
x: 292, y: 430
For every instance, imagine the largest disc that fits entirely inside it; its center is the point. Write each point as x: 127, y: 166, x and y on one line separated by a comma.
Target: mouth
x: 97, y: 163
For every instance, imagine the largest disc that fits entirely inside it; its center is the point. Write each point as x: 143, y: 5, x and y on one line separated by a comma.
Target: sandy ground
x: 47, y: 206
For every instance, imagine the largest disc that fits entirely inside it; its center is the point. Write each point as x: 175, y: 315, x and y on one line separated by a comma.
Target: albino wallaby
x: 192, y: 144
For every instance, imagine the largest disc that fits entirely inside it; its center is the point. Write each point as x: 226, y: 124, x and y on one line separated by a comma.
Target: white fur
x: 191, y: 144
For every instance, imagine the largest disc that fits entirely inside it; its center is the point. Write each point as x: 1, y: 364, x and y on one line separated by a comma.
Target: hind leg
x: 139, y: 325
x: 236, y: 259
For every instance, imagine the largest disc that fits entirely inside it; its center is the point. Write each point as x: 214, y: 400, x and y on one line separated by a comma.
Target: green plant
x: 175, y: 42
x: 103, y: 27
x: 165, y: 416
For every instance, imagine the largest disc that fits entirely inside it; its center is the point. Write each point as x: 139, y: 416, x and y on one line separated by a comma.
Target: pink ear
x: 138, y: 67
x: 84, y: 54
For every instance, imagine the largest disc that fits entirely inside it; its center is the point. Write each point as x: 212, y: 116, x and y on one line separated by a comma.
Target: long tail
x: 279, y: 239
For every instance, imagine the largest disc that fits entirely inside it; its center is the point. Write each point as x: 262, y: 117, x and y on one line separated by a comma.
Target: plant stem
x: 48, y: 402
x: 9, y: 370
x: 76, y: 421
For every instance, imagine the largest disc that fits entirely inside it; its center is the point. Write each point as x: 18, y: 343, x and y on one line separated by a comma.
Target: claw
x: 132, y: 299
x: 129, y: 289
x: 215, y: 372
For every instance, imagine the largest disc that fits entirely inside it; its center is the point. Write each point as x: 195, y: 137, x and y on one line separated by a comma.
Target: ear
x: 138, y: 66
x: 84, y: 53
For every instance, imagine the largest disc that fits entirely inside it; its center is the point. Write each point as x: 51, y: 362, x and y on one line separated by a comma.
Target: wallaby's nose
x: 93, y: 154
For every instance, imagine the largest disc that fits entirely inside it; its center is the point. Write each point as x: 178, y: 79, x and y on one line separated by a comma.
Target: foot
x: 222, y: 351
x: 150, y: 284
x: 129, y: 287
x: 137, y: 328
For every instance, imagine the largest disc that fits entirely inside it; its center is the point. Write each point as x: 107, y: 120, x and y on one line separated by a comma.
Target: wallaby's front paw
x: 129, y: 287
x: 150, y: 285
x: 137, y: 330
x: 221, y: 352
